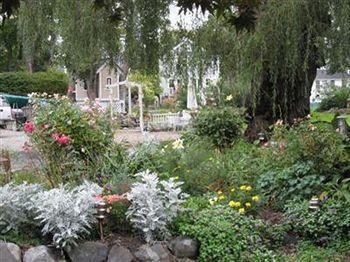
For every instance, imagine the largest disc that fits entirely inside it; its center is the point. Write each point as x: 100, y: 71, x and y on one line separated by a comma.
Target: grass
x: 325, y: 117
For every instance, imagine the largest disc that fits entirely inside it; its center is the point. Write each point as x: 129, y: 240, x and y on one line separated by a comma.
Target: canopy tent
x: 16, y: 101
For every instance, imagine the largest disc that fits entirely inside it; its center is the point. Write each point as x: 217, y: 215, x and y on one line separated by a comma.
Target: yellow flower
x: 241, y: 210
x: 234, y: 204
x: 248, y: 188
x: 232, y: 190
x: 229, y: 98
x: 219, y: 192
x: 255, y: 198
x: 221, y: 197
x: 243, y: 188
x: 248, y: 204
x: 177, y: 144
x: 212, y: 202
x: 176, y: 178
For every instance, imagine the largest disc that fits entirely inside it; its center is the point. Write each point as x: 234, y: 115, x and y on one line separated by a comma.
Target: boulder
x: 89, y: 252
x: 155, y: 253
x: 40, y: 254
x: 120, y: 254
x: 9, y: 252
x: 184, y: 247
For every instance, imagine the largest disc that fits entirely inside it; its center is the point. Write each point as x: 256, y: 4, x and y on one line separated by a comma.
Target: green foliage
x: 318, y: 143
x: 21, y: 83
x: 150, y: 84
x: 88, y: 133
x: 222, y: 126
x: 225, y: 235
x: 336, y: 99
x: 332, y: 221
x: 10, y: 55
x: 308, y: 252
x: 298, y: 181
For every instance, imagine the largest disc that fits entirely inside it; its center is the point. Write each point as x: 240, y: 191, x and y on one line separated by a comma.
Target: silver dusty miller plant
x: 15, y: 205
x: 154, y: 204
x: 67, y: 213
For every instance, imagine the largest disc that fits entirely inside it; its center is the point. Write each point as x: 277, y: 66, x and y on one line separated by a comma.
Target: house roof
x: 323, y: 74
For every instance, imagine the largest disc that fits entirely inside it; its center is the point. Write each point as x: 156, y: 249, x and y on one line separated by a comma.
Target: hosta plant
x: 154, y: 204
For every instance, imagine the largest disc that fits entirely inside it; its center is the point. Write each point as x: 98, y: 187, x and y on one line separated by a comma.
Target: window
x: 318, y: 85
x: 109, y: 82
x: 332, y: 82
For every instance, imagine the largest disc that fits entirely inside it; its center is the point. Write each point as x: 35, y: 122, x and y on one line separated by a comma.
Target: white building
x: 324, y: 81
x: 108, y: 88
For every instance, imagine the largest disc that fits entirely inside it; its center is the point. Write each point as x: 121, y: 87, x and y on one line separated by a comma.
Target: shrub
x: 15, y: 203
x: 225, y: 235
x: 332, y: 221
x: 337, y: 98
x: 66, y: 213
x: 21, y: 83
x: 222, y: 126
x: 70, y: 140
x: 298, y: 181
x: 154, y: 204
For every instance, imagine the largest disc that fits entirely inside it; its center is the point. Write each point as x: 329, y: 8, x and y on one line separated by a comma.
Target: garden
x: 211, y: 195
x: 251, y: 97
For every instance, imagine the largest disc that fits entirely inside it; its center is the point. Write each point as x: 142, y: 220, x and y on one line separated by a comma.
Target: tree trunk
x: 91, y: 86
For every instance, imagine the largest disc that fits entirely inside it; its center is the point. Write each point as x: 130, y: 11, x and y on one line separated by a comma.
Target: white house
x: 324, y: 81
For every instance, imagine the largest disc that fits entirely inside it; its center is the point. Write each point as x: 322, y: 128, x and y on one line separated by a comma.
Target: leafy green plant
x: 225, y: 235
x: 336, y: 98
x: 331, y: 221
x: 70, y: 140
x: 222, y: 126
x: 298, y: 181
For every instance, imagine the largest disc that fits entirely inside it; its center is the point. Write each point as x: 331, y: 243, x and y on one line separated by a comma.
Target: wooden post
x: 129, y: 99
x: 141, y: 106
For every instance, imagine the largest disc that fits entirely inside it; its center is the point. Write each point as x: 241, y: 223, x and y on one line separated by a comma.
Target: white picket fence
x: 163, y: 121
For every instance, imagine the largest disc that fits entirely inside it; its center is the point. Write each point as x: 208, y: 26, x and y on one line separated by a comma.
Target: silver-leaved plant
x: 15, y: 203
x: 67, y: 213
x: 154, y: 204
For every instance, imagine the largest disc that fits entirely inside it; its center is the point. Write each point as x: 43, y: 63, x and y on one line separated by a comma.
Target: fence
x: 161, y: 121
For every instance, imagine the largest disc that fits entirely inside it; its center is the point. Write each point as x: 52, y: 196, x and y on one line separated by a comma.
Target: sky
x: 188, y: 20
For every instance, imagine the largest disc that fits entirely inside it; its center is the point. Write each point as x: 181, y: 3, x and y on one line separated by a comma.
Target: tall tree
x: 10, y: 48
x: 89, y: 38
x: 36, y: 30
x: 280, y: 46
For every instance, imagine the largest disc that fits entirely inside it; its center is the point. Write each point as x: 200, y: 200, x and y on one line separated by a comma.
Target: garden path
x: 14, y: 141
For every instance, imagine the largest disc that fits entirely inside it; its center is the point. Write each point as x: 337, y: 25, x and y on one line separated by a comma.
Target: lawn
x: 325, y: 117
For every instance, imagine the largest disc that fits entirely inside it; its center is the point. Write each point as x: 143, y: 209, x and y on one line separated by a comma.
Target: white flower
x: 56, y: 96
x: 229, y: 98
x: 177, y: 144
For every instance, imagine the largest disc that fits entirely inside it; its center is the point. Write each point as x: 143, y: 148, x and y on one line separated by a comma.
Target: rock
x: 120, y: 254
x: 155, y: 253
x: 184, y: 247
x: 40, y: 254
x: 89, y: 252
x: 9, y: 252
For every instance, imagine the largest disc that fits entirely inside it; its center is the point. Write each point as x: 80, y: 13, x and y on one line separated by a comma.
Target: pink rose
x: 55, y: 136
x: 29, y: 127
x: 63, y: 140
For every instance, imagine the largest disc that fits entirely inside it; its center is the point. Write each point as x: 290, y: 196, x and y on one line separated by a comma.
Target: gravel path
x: 20, y: 159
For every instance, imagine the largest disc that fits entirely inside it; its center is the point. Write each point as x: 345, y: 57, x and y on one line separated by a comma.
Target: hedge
x: 22, y: 83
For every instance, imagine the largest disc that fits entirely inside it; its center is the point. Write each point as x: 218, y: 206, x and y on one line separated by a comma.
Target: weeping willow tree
x: 89, y: 39
x: 279, y: 46
x: 36, y: 31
